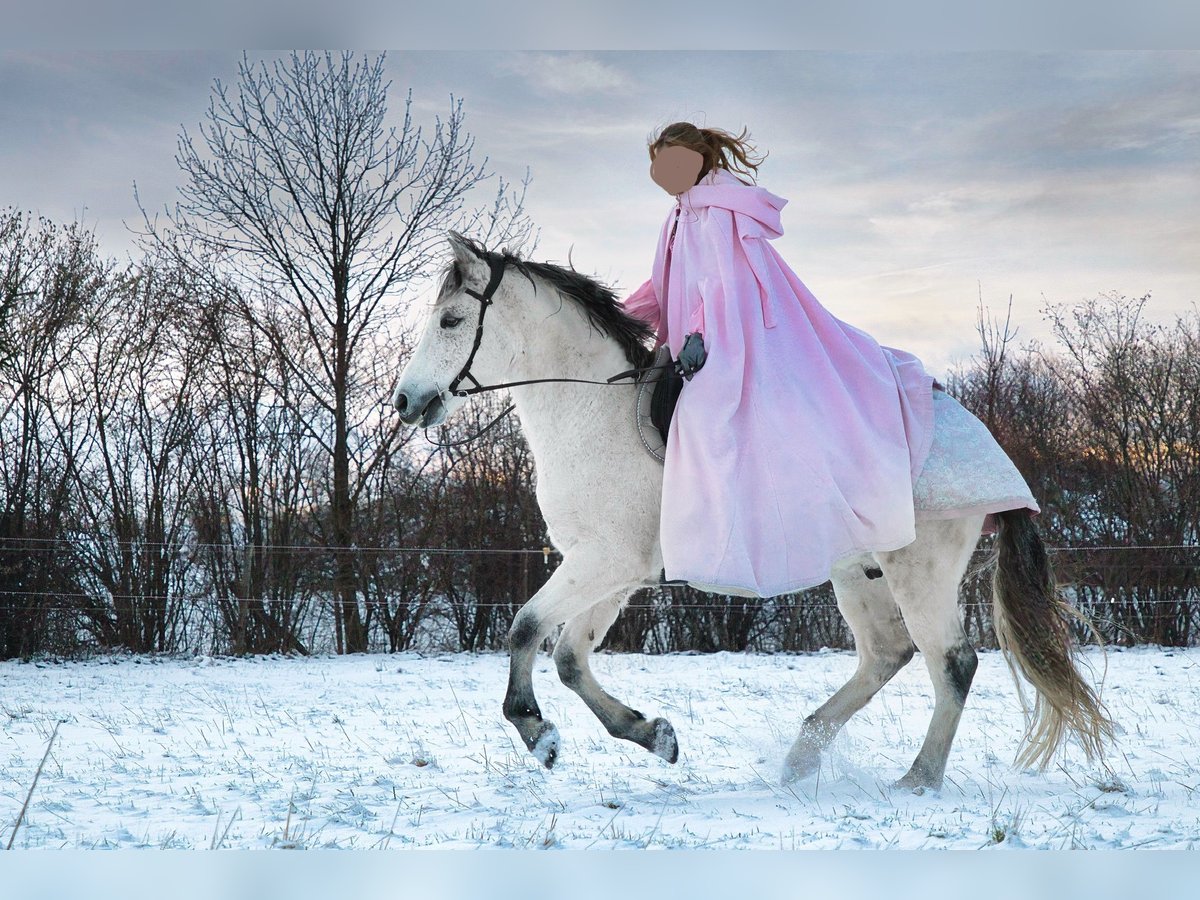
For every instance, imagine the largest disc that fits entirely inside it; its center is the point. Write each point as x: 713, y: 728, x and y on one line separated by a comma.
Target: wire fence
x: 465, y: 598
x: 330, y: 548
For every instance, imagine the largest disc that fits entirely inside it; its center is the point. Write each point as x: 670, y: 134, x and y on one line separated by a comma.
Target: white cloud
x: 567, y: 73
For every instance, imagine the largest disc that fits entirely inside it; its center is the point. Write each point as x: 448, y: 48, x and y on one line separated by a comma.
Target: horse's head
x: 595, y: 339
x: 423, y: 395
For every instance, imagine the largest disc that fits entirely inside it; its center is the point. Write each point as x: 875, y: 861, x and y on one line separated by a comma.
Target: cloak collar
x: 723, y: 189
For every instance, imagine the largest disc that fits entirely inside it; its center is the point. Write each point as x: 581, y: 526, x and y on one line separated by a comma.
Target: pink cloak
x: 800, y: 440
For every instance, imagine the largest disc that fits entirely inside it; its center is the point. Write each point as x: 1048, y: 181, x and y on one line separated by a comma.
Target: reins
x: 485, y: 300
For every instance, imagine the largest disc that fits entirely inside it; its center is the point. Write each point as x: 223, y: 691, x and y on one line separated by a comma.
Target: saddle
x: 657, y: 394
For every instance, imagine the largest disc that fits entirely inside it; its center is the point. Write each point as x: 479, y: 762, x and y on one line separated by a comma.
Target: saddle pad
x: 967, y: 472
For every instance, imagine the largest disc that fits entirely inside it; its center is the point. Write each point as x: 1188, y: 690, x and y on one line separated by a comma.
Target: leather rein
x: 485, y: 300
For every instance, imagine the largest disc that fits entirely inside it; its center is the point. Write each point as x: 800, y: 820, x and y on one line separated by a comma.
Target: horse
x: 550, y: 335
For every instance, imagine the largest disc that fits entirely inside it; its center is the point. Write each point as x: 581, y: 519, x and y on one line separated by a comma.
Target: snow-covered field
x: 395, y: 751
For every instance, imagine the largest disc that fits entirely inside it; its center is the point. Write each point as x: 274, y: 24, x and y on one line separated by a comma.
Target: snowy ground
x: 398, y: 751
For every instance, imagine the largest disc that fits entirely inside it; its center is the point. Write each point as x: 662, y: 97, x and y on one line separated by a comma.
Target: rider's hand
x: 691, y: 355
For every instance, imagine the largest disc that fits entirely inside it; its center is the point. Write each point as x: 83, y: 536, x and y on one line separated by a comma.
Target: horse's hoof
x: 902, y: 785
x: 917, y: 784
x: 800, y: 765
x: 664, y: 743
x: 545, y: 747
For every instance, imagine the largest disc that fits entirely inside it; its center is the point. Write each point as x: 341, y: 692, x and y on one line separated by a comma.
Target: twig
x: 212, y: 845
x: 36, y: 775
x: 218, y: 844
x: 288, y: 824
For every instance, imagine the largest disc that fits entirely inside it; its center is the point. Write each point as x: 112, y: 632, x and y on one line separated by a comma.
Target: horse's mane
x: 604, y: 311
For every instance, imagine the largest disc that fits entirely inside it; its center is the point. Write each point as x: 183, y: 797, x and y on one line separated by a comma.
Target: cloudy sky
x: 916, y: 182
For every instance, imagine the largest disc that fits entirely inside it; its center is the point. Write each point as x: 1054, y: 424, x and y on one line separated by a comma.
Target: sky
x: 918, y: 183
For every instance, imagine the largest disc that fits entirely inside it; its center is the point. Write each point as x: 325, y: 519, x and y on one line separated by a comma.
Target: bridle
x: 485, y: 300
x: 497, y: 265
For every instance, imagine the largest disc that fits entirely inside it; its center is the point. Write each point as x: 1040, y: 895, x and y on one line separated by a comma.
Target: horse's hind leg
x: 576, y: 585
x: 924, y: 577
x: 580, y: 636
x: 883, y: 649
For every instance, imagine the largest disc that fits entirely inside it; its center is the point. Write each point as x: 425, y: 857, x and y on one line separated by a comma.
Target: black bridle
x: 496, y: 265
x: 485, y: 300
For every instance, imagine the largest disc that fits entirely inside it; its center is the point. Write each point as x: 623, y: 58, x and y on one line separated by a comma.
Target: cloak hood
x: 723, y: 189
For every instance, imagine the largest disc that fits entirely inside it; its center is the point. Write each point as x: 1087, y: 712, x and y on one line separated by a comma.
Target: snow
x: 395, y: 751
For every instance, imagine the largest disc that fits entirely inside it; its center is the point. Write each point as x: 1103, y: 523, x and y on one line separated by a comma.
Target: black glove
x: 691, y: 355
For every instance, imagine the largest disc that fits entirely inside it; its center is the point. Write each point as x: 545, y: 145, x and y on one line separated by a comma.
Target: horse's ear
x: 472, y: 267
x: 464, y: 254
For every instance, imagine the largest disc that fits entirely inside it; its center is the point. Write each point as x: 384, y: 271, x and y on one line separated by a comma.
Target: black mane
x: 604, y: 311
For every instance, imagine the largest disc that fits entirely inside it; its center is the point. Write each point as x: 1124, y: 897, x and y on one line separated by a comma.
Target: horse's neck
x: 556, y: 415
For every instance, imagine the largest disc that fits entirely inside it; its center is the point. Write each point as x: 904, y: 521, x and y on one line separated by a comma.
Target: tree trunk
x: 345, y: 583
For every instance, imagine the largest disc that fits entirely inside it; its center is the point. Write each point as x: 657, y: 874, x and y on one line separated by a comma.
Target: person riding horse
x: 797, y: 438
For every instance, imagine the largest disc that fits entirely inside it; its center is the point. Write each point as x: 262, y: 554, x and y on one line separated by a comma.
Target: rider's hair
x: 720, y: 149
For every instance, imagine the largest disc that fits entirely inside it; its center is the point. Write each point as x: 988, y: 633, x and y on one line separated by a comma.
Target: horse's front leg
x: 580, y: 636
x: 579, y: 583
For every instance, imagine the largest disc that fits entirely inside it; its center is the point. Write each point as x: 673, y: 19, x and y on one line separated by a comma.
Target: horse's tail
x: 1033, y: 628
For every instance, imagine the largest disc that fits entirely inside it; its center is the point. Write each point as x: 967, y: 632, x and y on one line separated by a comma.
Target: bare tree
x: 298, y: 187
x: 1137, y: 400
x: 135, y: 375
x: 481, y: 500
x: 48, y: 277
x: 252, y: 529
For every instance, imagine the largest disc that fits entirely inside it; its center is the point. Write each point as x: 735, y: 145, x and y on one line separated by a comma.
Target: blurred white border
x: 604, y: 24
x: 595, y: 875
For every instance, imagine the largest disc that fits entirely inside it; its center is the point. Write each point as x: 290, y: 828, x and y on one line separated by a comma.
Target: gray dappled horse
x: 499, y: 319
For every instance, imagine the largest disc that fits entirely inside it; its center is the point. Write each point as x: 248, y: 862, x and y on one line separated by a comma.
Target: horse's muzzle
x: 426, y: 411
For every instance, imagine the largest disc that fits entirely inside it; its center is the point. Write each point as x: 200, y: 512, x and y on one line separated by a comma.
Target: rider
x: 797, y: 438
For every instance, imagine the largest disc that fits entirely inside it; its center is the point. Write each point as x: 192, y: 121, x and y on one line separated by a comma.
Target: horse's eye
x: 449, y: 321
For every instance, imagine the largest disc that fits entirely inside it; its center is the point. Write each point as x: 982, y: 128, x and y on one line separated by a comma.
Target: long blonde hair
x: 720, y: 149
